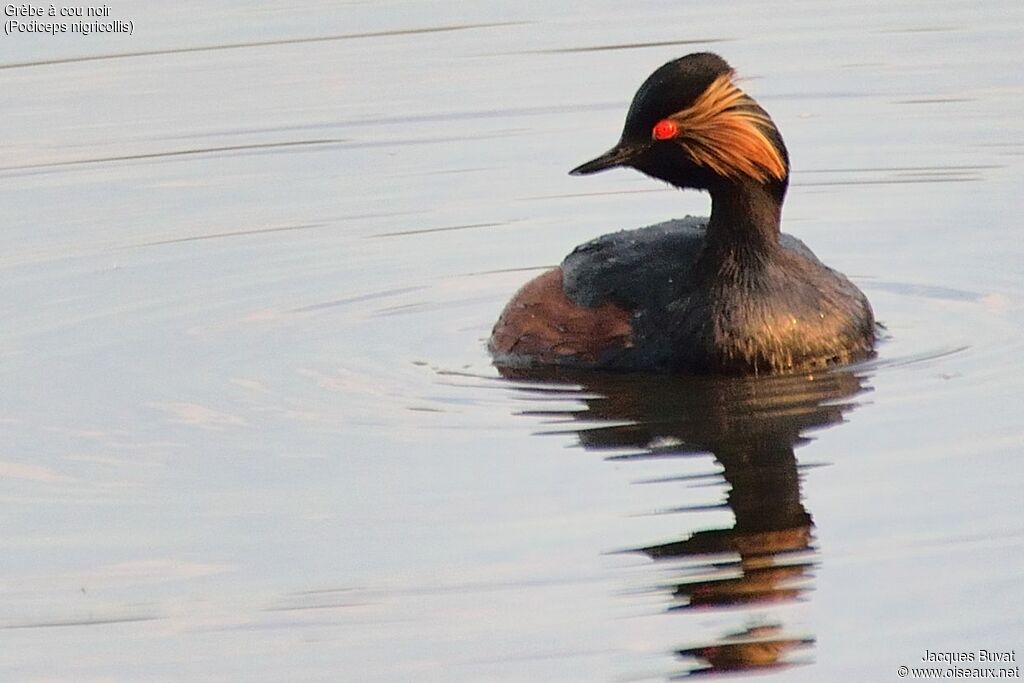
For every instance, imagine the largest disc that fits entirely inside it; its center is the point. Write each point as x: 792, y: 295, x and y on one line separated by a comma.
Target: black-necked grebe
x: 725, y: 294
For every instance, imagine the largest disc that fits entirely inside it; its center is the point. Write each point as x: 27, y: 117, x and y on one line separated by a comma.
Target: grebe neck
x: 745, y: 222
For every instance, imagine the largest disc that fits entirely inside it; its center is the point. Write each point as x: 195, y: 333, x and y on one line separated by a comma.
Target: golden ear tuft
x: 725, y: 131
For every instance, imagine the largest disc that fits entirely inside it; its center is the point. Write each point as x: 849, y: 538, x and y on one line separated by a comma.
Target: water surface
x: 249, y: 429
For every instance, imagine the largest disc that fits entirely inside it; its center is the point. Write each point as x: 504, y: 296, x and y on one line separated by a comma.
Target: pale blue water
x: 249, y: 429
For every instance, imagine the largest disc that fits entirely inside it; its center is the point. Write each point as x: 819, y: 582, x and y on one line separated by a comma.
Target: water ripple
x: 261, y: 43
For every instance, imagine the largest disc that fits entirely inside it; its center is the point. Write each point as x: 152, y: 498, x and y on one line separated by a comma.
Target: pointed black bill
x: 618, y: 155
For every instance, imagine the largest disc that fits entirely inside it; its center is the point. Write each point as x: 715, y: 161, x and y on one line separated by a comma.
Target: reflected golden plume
x: 724, y: 130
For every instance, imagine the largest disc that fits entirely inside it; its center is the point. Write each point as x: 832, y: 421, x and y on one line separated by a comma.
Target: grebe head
x: 691, y: 126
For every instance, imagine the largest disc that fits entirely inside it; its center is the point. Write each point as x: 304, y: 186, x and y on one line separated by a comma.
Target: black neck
x: 745, y: 219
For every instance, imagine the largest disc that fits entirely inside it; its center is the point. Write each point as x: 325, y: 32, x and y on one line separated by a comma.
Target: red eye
x: 664, y: 130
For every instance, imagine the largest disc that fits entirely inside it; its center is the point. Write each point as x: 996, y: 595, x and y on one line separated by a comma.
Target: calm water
x: 249, y: 430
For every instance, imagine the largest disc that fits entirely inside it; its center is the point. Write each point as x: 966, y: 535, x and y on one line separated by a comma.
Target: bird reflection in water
x: 751, y: 425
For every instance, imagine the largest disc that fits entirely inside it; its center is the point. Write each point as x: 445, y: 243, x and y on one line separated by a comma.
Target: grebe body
x: 726, y: 294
